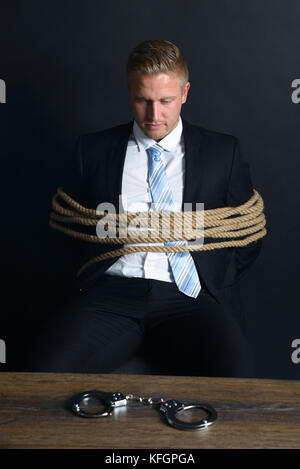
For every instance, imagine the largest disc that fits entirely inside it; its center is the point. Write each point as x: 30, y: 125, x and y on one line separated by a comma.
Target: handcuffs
x: 112, y: 400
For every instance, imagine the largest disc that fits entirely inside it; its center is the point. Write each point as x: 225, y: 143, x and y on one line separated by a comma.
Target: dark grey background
x: 63, y: 63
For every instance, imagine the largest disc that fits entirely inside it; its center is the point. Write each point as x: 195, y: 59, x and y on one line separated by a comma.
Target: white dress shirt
x: 136, y: 197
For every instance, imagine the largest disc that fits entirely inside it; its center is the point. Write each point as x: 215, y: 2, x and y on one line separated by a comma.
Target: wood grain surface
x: 252, y: 413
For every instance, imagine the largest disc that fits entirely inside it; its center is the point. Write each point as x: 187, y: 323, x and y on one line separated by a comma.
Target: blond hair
x: 157, y: 56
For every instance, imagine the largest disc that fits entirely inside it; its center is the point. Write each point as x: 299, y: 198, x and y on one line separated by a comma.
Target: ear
x: 185, y: 92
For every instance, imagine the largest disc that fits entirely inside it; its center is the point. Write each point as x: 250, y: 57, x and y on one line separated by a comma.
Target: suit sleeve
x: 72, y: 183
x: 240, y: 190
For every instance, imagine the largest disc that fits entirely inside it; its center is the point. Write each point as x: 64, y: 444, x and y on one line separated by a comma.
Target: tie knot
x: 155, y: 153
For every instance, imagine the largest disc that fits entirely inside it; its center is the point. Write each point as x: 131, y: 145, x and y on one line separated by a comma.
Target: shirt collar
x: 169, y: 142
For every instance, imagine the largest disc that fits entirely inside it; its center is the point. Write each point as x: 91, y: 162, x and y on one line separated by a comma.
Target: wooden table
x: 252, y: 413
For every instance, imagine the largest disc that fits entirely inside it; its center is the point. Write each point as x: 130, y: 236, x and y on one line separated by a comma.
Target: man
x: 183, y: 311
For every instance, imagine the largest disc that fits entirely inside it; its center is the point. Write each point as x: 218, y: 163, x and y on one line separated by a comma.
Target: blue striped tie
x: 182, y: 263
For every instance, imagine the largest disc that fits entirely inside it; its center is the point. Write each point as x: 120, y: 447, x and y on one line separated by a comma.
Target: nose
x: 153, y: 111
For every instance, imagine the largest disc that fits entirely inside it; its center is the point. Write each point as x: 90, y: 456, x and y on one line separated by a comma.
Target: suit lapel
x: 194, y: 165
x: 116, y: 164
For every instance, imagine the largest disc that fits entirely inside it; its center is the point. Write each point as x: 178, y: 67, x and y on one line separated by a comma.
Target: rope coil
x: 246, y: 220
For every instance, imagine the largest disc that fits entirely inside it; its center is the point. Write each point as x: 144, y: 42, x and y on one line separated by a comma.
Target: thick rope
x: 246, y: 220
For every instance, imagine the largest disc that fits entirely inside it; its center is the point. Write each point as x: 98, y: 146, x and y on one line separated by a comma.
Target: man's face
x: 156, y: 102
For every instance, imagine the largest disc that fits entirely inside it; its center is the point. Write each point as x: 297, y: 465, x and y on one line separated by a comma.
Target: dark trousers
x: 111, y: 322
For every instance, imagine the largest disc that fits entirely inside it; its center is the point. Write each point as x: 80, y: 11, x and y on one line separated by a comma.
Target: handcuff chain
x: 150, y: 401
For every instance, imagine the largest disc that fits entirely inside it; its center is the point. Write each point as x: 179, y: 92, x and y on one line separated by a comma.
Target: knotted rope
x: 246, y: 221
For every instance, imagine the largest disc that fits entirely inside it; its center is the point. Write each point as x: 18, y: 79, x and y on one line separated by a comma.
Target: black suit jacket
x: 216, y: 174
